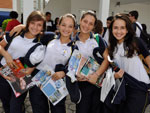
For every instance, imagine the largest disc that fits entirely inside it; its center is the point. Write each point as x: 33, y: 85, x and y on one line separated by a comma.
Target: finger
x: 54, y: 78
x: 7, y: 78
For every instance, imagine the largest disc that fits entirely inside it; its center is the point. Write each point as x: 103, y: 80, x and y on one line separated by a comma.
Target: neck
x: 29, y: 35
x: 83, y: 37
x: 64, y: 40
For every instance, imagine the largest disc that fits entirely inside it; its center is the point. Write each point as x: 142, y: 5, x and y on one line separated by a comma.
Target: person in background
x: 106, y: 29
x: 133, y: 16
x: 98, y: 28
x: 49, y: 22
x: 14, y: 22
x: 55, y: 27
x: 76, y: 28
x: 146, y: 33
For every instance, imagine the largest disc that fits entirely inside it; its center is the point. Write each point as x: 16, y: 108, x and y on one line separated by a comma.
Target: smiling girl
x: 90, y: 101
x: 58, y: 51
x: 124, y: 50
x: 18, y: 48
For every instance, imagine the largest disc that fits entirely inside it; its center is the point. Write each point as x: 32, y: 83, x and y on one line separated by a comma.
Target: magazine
x: 19, y: 82
x: 89, y: 66
x: 73, y: 65
x: 54, y: 90
x: 79, y: 65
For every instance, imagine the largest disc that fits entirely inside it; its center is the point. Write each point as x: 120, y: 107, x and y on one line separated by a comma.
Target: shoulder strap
x: 138, y: 27
x: 105, y: 29
x: 12, y: 37
x: 7, y: 46
x: 96, y: 38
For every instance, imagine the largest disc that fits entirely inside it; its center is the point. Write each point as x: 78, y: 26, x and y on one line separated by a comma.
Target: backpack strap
x: 7, y: 46
x: 96, y: 37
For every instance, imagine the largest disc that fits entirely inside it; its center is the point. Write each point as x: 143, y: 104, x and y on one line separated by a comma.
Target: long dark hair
x: 129, y: 40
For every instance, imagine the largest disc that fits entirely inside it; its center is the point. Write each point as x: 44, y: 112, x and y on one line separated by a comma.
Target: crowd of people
x: 120, y: 40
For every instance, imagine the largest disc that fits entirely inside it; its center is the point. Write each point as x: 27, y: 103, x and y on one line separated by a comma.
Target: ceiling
x: 131, y: 1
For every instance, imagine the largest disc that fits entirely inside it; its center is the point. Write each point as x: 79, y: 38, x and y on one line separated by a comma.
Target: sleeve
x: 47, y: 37
x: 98, y: 51
x: 142, y: 47
x: 35, y: 55
x: 7, y: 38
x: 60, y: 67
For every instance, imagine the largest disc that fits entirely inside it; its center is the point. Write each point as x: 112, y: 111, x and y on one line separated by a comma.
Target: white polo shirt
x: 133, y: 66
x: 138, y: 31
x: 18, y: 47
x: 86, y: 48
x: 56, y: 53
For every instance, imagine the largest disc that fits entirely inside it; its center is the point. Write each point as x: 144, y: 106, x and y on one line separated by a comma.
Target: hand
x: 58, y: 75
x: 92, y: 78
x: 10, y: 61
x: 119, y: 74
x: 17, y: 29
x: 81, y: 77
x: 7, y: 77
x: 27, y: 71
x: 22, y: 83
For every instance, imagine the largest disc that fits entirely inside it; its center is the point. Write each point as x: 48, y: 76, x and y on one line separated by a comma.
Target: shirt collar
x: 37, y: 39
x: 77, y: 36
x: 71, y: 38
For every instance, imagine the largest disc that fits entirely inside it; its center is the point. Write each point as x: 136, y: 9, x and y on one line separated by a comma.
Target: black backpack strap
x: 9, y: 42
x: 105, y: 29
x: 138, y: 27
x: 10, y: 39
x: 27, y: 56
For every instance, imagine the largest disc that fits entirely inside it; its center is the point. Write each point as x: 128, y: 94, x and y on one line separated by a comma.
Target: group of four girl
x: 58, y: 51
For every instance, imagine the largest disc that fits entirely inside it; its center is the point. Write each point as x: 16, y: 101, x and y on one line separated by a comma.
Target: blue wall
x: 3, y: 15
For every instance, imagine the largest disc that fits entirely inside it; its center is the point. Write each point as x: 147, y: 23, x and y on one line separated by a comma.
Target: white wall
x: 58, y: 7
x: 78, y: 5
x: 143, y: 9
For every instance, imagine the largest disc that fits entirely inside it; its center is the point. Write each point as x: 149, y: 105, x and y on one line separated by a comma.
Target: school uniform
x: 90, y: 101
x: 56, y: 57
x: 18, y: 48
x: 136, y: 81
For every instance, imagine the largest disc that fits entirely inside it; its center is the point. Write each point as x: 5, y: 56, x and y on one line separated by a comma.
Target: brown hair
x: 35, y: 16
x: 129, y: 40
x: 89, y: 12
x: 68, y: 15
x: 98, y: 27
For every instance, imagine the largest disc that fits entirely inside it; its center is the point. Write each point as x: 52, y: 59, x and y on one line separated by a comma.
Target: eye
x: 115, y: 27
x: 40, y: 25
x: 70, y: 26
x: 85, y: 21
x: 123, y: 27
x: 92, y: 24
x: 32, y: 22
x: 63, y: 24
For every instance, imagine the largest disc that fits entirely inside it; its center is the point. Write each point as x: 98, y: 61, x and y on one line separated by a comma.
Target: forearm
x: 147, y: 61
x: 103, y: 67
x: 3, y: 52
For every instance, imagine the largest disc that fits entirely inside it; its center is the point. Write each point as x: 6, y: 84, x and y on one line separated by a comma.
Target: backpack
x: 145, y: 37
